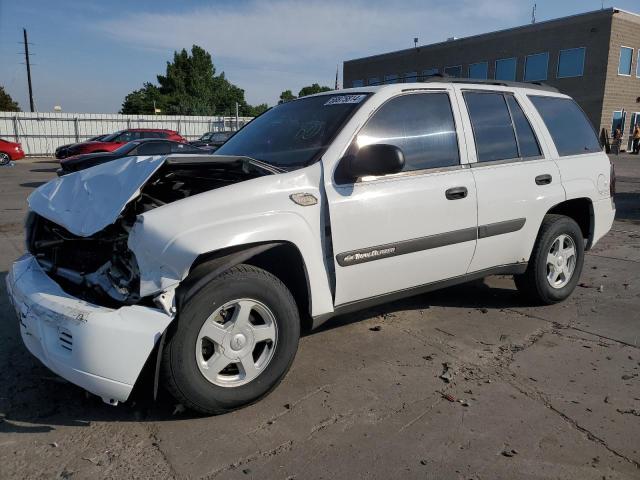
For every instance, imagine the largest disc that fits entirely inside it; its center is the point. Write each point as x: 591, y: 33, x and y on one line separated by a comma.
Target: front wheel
x: 556, y: 261
x: 233, y: 342
x: 4, y: 159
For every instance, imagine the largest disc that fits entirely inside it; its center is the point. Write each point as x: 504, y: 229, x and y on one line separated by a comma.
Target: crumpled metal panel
x: 87, y: 201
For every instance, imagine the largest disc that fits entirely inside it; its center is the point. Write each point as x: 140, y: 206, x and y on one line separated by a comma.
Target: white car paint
x: 110, y: 346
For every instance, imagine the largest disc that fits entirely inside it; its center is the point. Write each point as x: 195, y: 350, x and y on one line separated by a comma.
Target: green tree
x: 312, y: 89
x: 287, y: 96
x: 7, y: 104
x: 254, y: 111
x: 142, y: 101
x: 189, y: 86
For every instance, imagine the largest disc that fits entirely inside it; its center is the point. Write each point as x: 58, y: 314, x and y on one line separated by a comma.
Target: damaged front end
x: 77, y: 292
x: 88, y: 254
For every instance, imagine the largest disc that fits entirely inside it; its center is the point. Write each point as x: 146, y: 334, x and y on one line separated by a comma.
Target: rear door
x: 516, y: 178
x: 396, y: 232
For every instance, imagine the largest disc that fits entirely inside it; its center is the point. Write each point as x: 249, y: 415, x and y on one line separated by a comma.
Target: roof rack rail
x: 444, y: 78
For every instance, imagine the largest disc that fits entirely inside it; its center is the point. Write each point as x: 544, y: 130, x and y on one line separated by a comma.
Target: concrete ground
x: 534, y: 392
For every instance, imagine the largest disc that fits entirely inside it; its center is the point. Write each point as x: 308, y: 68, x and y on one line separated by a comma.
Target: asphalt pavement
x: 468, y: 382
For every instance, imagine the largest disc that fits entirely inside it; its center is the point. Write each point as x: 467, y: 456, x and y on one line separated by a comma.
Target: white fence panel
x: 42, y: 133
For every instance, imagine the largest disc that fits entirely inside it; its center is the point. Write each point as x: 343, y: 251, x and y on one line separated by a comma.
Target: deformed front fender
x: 167, y: 241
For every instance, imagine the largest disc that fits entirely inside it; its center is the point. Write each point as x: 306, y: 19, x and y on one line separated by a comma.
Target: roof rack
x: 444, y: 78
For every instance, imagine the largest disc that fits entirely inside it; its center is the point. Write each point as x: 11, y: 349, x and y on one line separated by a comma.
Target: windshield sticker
x: 342, y: 99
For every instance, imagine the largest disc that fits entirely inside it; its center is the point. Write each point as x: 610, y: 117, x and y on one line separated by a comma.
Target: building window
x: 479, y: 70
x: 430, y: 72
x: 392, y: 78
x: 455, y: 71
x: 506, y: 69
x: 357, y: 83
x: 571, y: 62
x: 374, y: 81
x: 536, y: 67
x: 626, y: 57
x: 411, y: 77
x: 618, y: 121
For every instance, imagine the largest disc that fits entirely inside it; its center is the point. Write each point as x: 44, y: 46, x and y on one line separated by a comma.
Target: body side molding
x: 370, y: 254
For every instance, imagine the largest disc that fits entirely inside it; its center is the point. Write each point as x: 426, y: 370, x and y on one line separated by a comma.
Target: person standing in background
x: 617, y: 140
x: 636, y: 140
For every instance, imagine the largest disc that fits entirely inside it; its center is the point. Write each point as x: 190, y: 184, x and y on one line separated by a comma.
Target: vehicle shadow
x: 474, y: 294
x: 52, y: 161
x: 43, y: 170
x: 627, y: 206
x: 35, y: 400
x: 32, y: 184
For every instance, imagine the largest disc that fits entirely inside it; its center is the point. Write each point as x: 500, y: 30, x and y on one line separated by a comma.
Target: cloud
x: 267, y: 47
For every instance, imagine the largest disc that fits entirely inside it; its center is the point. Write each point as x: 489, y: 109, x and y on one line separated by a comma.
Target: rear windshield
x: 294, y: 134
x: 568, y: 125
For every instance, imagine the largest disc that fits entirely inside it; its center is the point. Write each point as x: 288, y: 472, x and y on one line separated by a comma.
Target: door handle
x: 544, y: 179
x: 456, y: 193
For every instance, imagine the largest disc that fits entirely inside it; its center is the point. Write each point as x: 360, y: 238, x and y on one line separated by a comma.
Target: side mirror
x: 374, y: 160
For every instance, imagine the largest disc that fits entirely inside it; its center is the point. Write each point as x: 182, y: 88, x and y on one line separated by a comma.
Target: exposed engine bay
x: 100, y: 268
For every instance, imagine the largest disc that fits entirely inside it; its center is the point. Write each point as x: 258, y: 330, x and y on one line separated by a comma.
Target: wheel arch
x: 580, y: 210
x: 282, y: 259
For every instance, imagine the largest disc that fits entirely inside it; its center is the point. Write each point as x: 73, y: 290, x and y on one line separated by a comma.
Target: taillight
x: 612, y: 181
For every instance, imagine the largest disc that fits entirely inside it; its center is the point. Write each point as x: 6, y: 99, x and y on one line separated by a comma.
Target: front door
x: 395, y: 232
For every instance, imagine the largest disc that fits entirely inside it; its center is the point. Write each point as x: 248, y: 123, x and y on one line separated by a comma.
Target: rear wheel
x: 556, y: 261
x: 233, y: 342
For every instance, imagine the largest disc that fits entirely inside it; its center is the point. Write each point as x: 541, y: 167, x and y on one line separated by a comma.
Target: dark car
x: 147, y: 146
x: 213, y: 139
x: 113, y: 141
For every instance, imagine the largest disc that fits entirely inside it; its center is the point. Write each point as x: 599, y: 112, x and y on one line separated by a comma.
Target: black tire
x: 4, y: 159
x: 533, y: 284
x: 181, y: 374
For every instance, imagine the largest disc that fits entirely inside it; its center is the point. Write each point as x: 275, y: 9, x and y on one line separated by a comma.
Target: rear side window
x: 492, y: 127
x: 568, y: 125
x: 421, y: 125
x: 153, y: 148
x: 500, y: 127
x: 527, y: 142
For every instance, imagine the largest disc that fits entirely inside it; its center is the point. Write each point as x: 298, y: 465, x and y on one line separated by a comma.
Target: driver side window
x: 421, y: 125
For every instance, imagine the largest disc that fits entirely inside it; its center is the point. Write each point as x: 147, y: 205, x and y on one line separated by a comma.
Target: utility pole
x: 26, y: 58
x: 533, y: 13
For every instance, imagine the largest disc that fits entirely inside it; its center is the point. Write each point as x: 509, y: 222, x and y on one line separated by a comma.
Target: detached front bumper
x: 100, y: 349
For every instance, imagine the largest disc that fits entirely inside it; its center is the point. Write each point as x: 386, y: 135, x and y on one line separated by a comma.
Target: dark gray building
x: 593, y: 57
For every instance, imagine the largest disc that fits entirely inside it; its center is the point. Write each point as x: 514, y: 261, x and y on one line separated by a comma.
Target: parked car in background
x: 10, y: 151
x: 145, y: 146
x: 115, y: 140
x: 63, y: 148
x: 213, y: 139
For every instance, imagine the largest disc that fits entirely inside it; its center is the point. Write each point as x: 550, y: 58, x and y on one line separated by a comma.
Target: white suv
x: 204, y: 268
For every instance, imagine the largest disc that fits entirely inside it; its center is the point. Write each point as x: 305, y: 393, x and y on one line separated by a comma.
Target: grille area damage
x: 99, y: 267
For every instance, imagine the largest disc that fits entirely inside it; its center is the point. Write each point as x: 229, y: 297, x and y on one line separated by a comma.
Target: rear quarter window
x: 568, y: 125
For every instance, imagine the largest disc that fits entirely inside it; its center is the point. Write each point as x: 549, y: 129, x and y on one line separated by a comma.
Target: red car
x: 114, y: 141
x: 10, y: 151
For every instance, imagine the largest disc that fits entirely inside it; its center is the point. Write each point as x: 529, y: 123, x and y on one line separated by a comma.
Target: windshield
x: 293, y: 134
x: 109, y: 138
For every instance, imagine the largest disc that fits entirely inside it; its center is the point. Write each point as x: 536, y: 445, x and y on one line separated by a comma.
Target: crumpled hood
x: 87, y: 201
